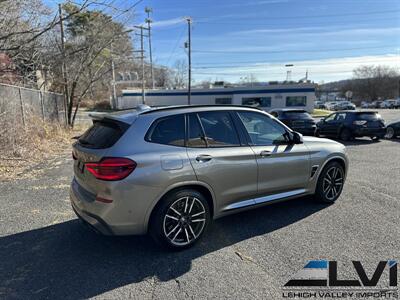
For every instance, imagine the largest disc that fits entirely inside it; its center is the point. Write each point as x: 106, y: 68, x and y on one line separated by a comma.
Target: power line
x: 176, y: 45
x: 291, y: 50
x: 300, y: 16
x: 261, y: 64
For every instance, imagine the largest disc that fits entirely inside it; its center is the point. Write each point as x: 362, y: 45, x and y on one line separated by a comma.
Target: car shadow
x: 68, y: 261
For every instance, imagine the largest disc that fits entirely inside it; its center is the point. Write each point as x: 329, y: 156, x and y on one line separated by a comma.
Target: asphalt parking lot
x: 46, y: 253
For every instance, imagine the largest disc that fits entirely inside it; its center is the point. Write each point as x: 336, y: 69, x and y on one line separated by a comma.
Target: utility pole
x: 149, y: 10
x: 114, y: 91
x: 142, y: 61
x: 189, y: 46
x: 64, y: 70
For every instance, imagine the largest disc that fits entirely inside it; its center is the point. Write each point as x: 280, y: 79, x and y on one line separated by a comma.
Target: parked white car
x: 344, y: 105
x: 365, y: 104
x: 389, y: 103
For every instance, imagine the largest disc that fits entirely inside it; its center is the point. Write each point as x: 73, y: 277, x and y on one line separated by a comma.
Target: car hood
x: 310, y: 140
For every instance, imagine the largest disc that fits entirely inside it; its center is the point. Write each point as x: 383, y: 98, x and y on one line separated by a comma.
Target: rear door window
x: 196, y: 137
x: 103, y: 134
x: 219, y: 129
x: 168, y: 131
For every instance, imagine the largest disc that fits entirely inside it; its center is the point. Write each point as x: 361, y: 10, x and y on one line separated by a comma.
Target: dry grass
x: 22, y: 147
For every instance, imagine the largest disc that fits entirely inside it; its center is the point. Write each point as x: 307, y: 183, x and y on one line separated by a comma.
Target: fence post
x: 58, y: 115
x: 41, y: 103
x: 22, y: 106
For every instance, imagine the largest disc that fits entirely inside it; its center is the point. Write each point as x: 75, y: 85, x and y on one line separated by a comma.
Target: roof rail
x: 155, y: 109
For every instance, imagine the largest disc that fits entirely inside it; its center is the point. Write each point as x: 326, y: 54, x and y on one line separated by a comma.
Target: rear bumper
x: 121, y: 217
x: 371, y: 132
x: 94, y: 221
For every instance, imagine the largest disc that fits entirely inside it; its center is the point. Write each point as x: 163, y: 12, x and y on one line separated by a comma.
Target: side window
x: 168, y: 131
x: 219, y: 129
x: 340, y: 117
x: 296, y: 101
x: 330, y: 118
x: 257, y: 101
x: 196, y: 138
x: 263, y: 130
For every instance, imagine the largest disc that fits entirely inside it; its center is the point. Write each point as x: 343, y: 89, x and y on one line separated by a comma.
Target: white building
x: 267, y: 97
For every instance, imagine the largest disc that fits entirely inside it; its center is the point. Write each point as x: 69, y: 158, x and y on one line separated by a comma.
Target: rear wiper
x: 84, y: 142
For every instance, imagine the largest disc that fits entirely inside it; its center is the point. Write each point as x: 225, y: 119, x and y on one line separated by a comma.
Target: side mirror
x: 297, y: 138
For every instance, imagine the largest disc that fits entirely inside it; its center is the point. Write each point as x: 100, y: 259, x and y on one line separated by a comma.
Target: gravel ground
x: 47, y: 254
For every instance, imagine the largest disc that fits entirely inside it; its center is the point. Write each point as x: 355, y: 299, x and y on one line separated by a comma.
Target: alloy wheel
x: 389, y: 133
x: 333, y: 183
x: 184, y: 221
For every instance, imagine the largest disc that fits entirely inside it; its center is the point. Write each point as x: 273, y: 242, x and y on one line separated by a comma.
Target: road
x: 47, y: 254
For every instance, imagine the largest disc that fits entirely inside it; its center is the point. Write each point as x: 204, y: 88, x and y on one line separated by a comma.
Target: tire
x: 389, y: 133
x: 345, y: 135
x: 180, y: 220
x: 330, y: 183
x: 375, y: 138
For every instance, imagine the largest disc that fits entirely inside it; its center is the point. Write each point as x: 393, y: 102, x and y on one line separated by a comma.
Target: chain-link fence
x: 22, y: 109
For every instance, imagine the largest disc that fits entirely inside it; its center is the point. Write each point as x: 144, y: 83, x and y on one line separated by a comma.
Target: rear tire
x: 180, y: 220
x: 330, y: 183
x: 345, y: 135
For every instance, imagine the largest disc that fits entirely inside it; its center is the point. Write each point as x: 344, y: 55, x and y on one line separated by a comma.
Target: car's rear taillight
x: 111, y: 168
x: 360, y: 122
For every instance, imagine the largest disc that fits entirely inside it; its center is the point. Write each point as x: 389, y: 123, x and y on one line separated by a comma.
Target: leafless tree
x: 374, y: 82
x: 179, y: 74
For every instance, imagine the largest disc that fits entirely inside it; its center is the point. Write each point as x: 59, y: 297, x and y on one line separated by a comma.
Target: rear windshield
x: 103, y: 134
x: 368, y: 116
x: 297, y: 115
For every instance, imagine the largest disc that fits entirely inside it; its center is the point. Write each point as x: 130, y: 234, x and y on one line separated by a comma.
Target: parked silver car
x: 170, y: 171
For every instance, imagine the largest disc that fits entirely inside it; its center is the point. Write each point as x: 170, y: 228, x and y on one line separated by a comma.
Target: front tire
x: 330, y: 183
x: 345, y: 135
x: 180, y: 220
x: 389, y: 133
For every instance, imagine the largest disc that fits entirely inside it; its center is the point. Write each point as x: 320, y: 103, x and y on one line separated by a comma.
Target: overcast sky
x: 232, y: 39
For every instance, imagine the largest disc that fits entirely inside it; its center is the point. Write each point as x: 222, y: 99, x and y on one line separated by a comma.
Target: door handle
x: 203, y: 158
x: 265, y: 153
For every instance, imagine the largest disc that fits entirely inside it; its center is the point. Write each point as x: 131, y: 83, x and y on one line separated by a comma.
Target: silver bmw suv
x: 170, y: 171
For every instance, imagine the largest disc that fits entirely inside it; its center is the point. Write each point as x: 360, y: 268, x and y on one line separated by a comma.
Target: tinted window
x: 263, y: 130
x: 224, y: 101
x: 168, y: 131
x: 295, y: 115
x: 102, y: 135
x: 219, y: 129
x: 196, y: 137
x: 257, y: 101
x: 296, y: 101
x: 368, y: 116
x: 330, y: 118
x: 340, y: 117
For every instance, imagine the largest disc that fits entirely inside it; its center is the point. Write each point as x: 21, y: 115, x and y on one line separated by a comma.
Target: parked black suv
x: 347, y: 125
x: 297, y: 119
